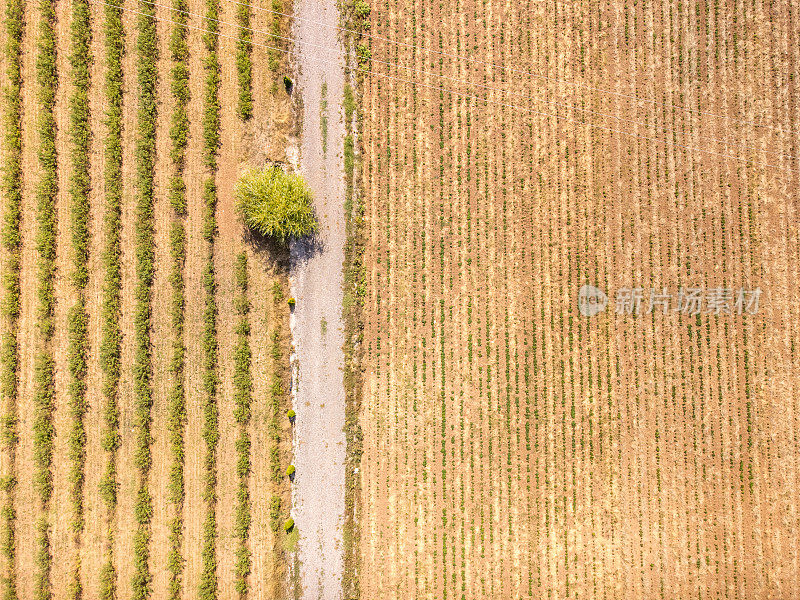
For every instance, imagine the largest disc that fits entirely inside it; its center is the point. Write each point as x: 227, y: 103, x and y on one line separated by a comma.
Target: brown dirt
x: 127, y: 472
x: 227, y: 246
x: 25, y: 497
x: 196, y: 252
x: 63, y: 548
x: 95, y: 536
x: 162, y: 334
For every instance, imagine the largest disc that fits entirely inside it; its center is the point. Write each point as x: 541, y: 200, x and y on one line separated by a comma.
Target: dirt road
x: 317, y: 329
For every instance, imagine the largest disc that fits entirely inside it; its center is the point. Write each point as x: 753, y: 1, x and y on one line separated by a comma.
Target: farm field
x: 511, y: 447
x: 145, y: 338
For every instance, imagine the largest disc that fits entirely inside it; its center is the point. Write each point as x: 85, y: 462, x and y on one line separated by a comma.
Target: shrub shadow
x: 268, y: 250
x: 304, y: 249
x: 284, y: 257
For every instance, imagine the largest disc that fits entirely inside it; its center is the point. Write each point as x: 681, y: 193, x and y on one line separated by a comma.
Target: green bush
x: 275, y: 204
x: 361, y: 9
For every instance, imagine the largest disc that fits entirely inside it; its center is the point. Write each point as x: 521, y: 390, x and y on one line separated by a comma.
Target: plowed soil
x: 514, y: 448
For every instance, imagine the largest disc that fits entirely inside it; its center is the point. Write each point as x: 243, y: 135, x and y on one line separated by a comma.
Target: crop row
x: 44, y: 376
x: 211, y: 120
x: 243, y: 390
x: 147, y: 76
x: 277, y: 397
x: 111, y: 335
x: 208, y: 578
x: 11, y: 243
x: 276, y: 40
x: 78, y: 319
x: 176, y: 422
x: 244, y: 62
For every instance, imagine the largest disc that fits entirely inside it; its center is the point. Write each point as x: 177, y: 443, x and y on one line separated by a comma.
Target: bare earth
x: 319, y: 443
x: 513, y: 448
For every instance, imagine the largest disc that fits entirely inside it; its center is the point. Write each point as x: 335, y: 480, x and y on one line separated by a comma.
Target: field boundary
x: 353, y: 17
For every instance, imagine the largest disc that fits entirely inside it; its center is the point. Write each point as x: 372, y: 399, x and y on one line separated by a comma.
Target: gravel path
x: 317, y: 329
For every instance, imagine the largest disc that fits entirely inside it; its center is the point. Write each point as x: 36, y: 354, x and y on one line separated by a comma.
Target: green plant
x: 288, y: 525
x: 275, y: 512
x: 107, y: 579
x: 361, y: 9
x: 147, y: 77
x: 277, y: 291
x: 275, y: 203
x: 276, y: 37
x: 323, y: 117
x: 243, y: 387
x: 176, y: 416
x: 349, y: 105
x: 44, y: 367
x: 364, y: 55
x: 79, y: 185
x: 44, y: 560
x: 244, y: 65
x: 208, y: 588
x: 111, y: 335
x: 11, y: 243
